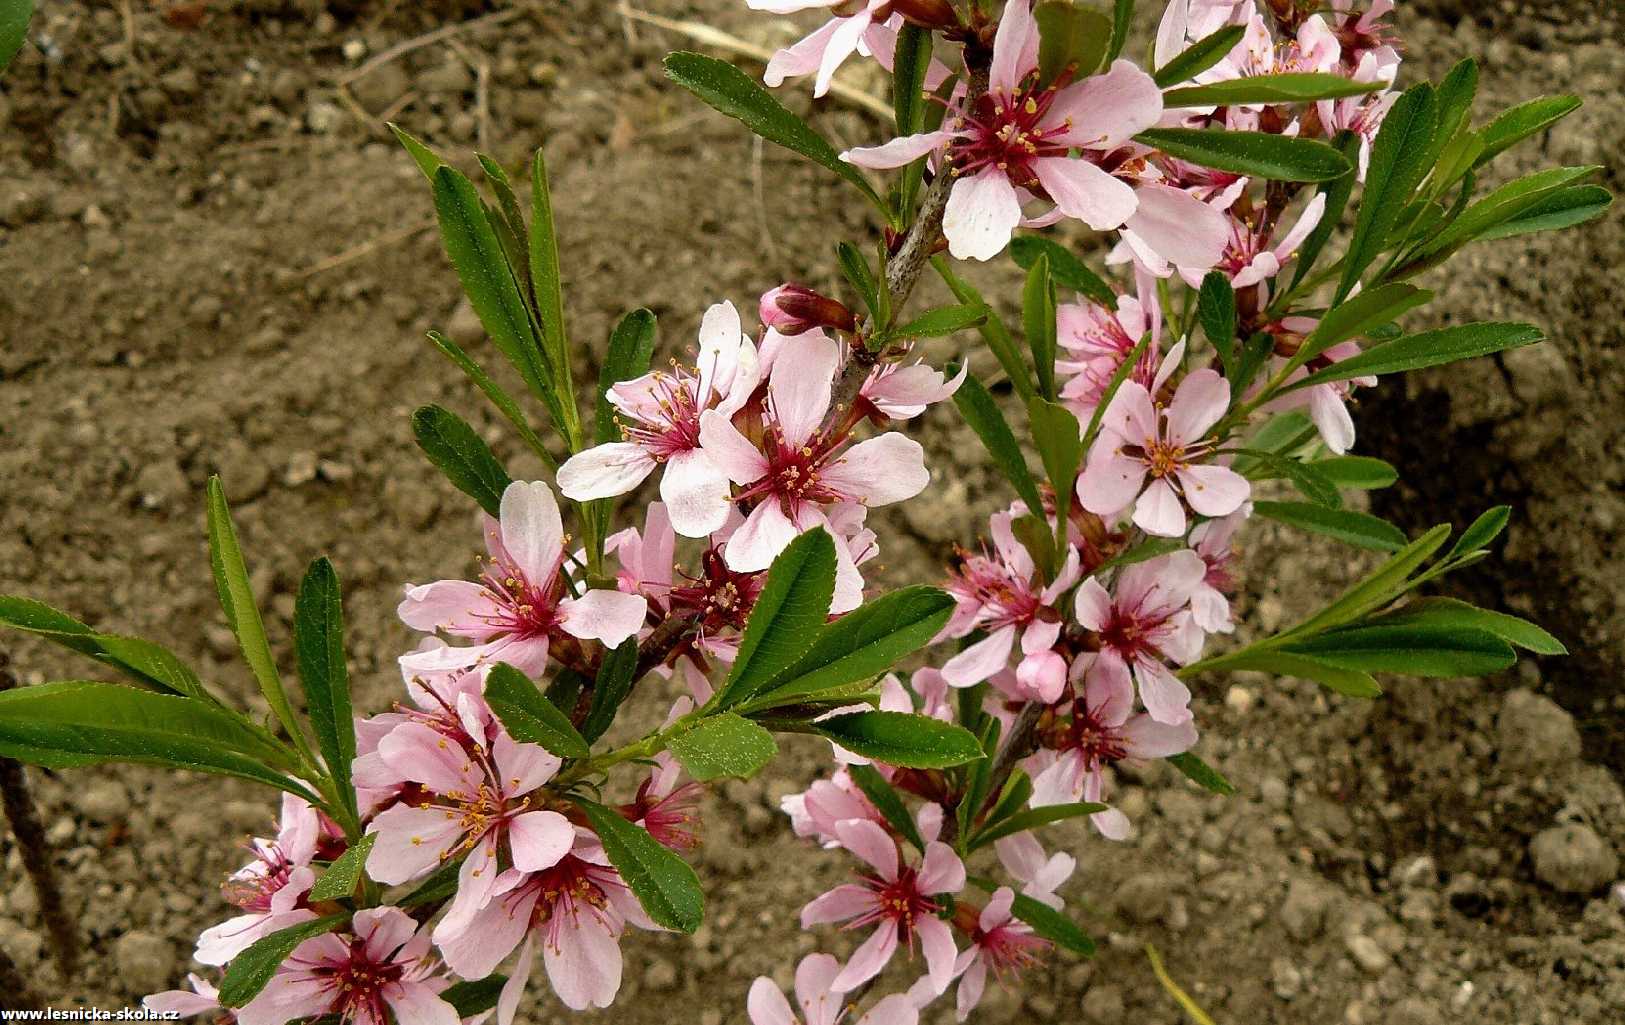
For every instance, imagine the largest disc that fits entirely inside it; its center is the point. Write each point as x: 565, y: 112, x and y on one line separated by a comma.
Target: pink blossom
x: 1098, y: 339
x: 474, y: 802
x: 1001, y: 944
x: 1187, y: 21
x: 1140, y: 439
x: 820, y: 1003
x: 1249, y: 258
x: 1363, y: 115
x: 1210, y: 601
x: 815, y: 812
x: 1143, y: 621
x: 1040, y: 875
x: 1327, y: 403
x: 202, y: 998
x: 575, y: 910
x: 1101, y: 731
x: 646, y: 557
x: 1003, y: 594
x: 863, y: 31
x: 520, y: 600
x: 899, y: 392
x: 800, y: 468
x: 379, y: 972
x: 661, y: 427
x: 270, y: 889
x: 897, y: 900
x: 667, y: 809
x: 1017, y: 143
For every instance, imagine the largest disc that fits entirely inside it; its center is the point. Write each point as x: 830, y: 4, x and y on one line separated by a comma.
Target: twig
x: 357, y: 252
x: 702, y: 33
x: 23, y: 815
x: 406, y: 46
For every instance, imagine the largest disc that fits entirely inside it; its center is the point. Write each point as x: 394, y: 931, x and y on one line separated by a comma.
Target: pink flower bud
x: 794, y: 309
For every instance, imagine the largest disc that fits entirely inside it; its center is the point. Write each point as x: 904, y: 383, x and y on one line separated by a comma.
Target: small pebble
x: 1367, y: 953
x: 1572, y: 858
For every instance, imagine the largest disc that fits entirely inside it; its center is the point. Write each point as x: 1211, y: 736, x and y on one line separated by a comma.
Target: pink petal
x: 419, y: 753
x: 1162, y: 693
x: 454, y: 605
x: 882, y: 470
x: 1214, y: 490
x: 220, y: 943
x: 729, y: 450
x: 1200, y: 402
x: 1112, y: 824
x: 1086, y: 192
x: 1111, y: 480
x: 1312, y: 213
x: 898, y: 152
x: 1061, y: 783
x: 1093, y: 605
x: 180, y: 1002
x: 416, y: 1003
x: 848, y: 900
x: 971, y: 985
x: 897, y: 1009
x: 604, y: 471
x: 869, y: 842
x: 982, y: 659
x: 522, y: 767
x: 584, y: 965
x: 1132, y: 415
x: 410, y: 842
x: 766, y: 1004
x: 539, y: 839
x: 1148, y: 738
x: 941, y: 871
x: 696, y: 493
x: 937, y: 943
x: 1015, y: 48
x: 1158, y: 511
x: 607, y: 616
x: 1331, y: 416
x: 1108, y: 688
x: 514, y: 988
x: 759, y: 540
x: 814, y: 977
x: 532, y: 532
x: 1021, y: 855
x: 476, y: 881
x: 1178, y: 227
x: 842, y: 42
x: 495, y: 931
x: 869, y: 959
x: 1043, y: 676
x: 799, y: 386
x: 982, y: 214
x: 1107, y: 110
x: 802, y: 58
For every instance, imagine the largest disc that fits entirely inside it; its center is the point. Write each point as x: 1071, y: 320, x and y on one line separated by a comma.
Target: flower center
x: 670, y: 424
x: 1010, y: 133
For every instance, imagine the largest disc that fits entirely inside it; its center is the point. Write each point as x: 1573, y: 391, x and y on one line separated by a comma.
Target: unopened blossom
x: 1210, y: 601
x: 659, y: 417
x: 271, y: 889
x: 1141, y: 440
x: 898, y: 900
x: 1000, y: 944
x: 521, y: 600
x: 799, y: 468
x: 792, y: 309
x: 1102, y: 729
x: 1002, y: 594
x: 202, y: 998
x: 1021, y: 141
x: 818, y: 1002
x: 1039, y: 874
x: 575, y: 911
x: 380, y: 970
x: 1144, y: 622
x: 475, y: 804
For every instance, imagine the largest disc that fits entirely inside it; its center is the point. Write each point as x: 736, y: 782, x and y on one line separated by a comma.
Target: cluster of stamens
x: 1009, y: 132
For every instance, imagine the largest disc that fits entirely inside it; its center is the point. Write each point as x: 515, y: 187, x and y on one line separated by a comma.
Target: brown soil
x: 212, y: 264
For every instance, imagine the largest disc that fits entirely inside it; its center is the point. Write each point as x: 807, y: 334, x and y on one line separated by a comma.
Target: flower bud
x: 794, y: 309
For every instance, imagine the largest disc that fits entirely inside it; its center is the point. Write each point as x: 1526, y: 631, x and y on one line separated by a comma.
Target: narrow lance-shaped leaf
x: 1396, y: 168
x: 898, y: 738
x: 944, y: 320
x: 631, y: 348
x: 1065, y: 269
x: 1033, y: 818
x: 1563, y: 208
x: 662, y: 882
x: 251, y: 970
x: 1427, y: 349
x: 548, y: 284
x: 1450, y: 613
x: 1357, y: 316
x: 141, y: 660
x: 1199, y: 56
x: 1070, y: 38
x: 723, y: 745
x: 1038, y: 321
x: 1252, y: 153
x: 1122, y: 21
x: 910, y: 62
x: 1202, y: 774
x: 498, y: 395
x: 462, y: 455
x: 787, y: 617
x: 1413, y: 650
x: 1486, y: 528
x: 1287, y: 87
x: 1522, y: 121
x: 1356, y: 528
x: 1362, y: 472
x: 527, y: 714
x: 994, y: 333
x: 427, y: 160
x: 1337, y: 191
x: 983, y: 415
x: 1056, y: 435
x: 339, y: 879
x: 1216, y: 310
x: 615, y: 678
x: 318, y: 624
x: 732, y: 92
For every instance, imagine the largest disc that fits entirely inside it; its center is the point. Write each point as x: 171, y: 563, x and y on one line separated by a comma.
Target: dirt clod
x: 1572, y: 858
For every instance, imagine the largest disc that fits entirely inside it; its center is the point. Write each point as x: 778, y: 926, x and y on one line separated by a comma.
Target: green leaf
x: 1378, y: 587
x: 732, y: 92
x: 1038, y: 322
x: 1522, y: 121
x: 1199, y: 56
x: 1145, y: 551
x: 1202, y: 774
x: 723, y: 745
x: 340, y: 878
x: 462, y: 455
x: 1354, y: 528
x: 527, y: 714
x: 547, y: 283
x: 787, y: 617
x: 1032, y: 818
x: 1357, y: 316
x: 616, y: 674
x: 1277, y: 157
x: 857, y: 273
x: 1216, y: 310
x: 887, y: 802
x: 1287, y: 87
x: 104, y: 722
x: 1122, y: 21
x: 1258, y: 347
x: 237, y: 600
x: 994, y: 333
x: 252, y: 969
x: 1455, y: 103
x: 1482, y: 531
x: 1337, y: 191
x: 1314, y: 485
x: 318, y: 627
x: 473, y: 998
x: 1421, y: 650
x: 1428, y: 349
x: 663, y: 883
x: 1396, y: 167
x: 1563, y: 208
x: 1453, y: 613
x: 862, y: 644
x: 944, y: 320
x: 1362, y: 472
x: 1057, y: 437
x: 141, y: 660
x: 1052, y: 925
x: 1070, y: 37
x: 1065, y: 269
x: 482, y: 266
x: 14, y: 15
x: 982, y: 413
x: 978, y: 776
x: 902, y: 739
x: 498, y: 395
x: 1353, y: 682
x: 1507, y: 204
x: 911, y: 60
x: 427, y: 160
x: 631, y: 349
x: 506, y: 218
